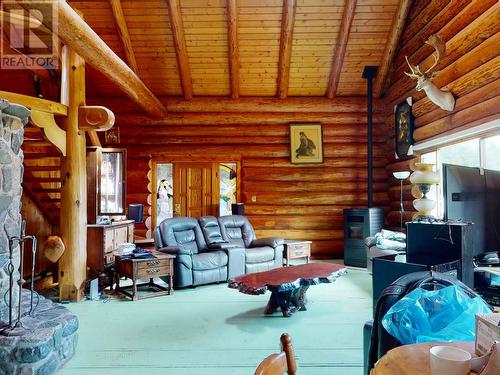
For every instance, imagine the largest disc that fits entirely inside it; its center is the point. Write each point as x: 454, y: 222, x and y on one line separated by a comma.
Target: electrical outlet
x: 254, y: 198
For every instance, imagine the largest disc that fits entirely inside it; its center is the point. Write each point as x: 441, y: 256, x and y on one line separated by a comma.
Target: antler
x: 440, y: 50
x: 415, y: 70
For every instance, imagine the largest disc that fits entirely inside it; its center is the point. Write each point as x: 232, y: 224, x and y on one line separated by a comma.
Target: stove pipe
x: 369, y: 73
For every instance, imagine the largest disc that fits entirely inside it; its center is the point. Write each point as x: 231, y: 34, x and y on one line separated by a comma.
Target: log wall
x: 281, y: 199
x: 470, y: 70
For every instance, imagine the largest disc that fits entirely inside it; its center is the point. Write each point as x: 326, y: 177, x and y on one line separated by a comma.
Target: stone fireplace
x: 45, y: 338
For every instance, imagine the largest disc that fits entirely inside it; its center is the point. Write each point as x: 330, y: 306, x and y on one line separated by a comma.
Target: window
x: 227, y: 184
x: 492, y: 153
x: 478, y: 152
x: 164, y: 192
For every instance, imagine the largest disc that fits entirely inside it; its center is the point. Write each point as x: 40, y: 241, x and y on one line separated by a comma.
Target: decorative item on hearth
x: 423, y: 178
x: 403, y: 175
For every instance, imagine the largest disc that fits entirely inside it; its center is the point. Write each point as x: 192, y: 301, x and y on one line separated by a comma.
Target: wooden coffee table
x: 147, y: 268
x: 288, y: 285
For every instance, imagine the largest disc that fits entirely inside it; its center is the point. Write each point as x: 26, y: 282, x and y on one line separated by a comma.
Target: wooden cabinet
x: 102, y: 240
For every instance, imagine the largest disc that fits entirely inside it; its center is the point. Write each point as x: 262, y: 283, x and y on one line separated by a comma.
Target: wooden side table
x: 296, y: 249
x: 136, y: 269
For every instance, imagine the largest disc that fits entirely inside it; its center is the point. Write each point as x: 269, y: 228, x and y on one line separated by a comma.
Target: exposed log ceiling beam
x: 216, y: 119
x: 398, y: 24
x: 175, y: 15
x: 233, y: 50
x: 345, y: 28
x: 116, y: 7
x: 251, y: 104
x: 286, y: 40
x: 74, y: 32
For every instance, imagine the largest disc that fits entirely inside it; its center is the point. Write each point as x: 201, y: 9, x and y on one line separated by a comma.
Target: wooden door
x: 196, y: 189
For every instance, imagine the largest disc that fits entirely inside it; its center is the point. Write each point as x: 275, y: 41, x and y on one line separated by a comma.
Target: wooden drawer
x: 152, y: 272
x: 299, y: 250
x: 155, y: 263
x: 109, y: 258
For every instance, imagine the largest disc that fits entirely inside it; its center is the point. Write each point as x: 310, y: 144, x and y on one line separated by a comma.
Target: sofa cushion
x: 211, y: 230
x: 209, y: 260
x: 183, y: 232
x: 259, y: 254
x: 237, y: 229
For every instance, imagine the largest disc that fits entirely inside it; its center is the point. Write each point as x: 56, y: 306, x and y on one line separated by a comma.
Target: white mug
x: 448, y: 360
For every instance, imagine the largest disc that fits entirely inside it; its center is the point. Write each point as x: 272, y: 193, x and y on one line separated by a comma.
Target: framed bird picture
x: 403, y: 124
x: 306, y: 143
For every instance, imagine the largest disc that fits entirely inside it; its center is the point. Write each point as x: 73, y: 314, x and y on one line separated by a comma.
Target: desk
x: 412, y: 359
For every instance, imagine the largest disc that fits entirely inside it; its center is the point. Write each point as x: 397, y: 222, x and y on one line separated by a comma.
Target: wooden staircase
x: 42, y: 173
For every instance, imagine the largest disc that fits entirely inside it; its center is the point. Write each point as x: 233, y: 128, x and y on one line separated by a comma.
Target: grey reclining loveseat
x: 213, y: 250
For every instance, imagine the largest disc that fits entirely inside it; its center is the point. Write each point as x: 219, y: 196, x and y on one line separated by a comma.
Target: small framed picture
x: 403, y: 124
x: 306, y: 143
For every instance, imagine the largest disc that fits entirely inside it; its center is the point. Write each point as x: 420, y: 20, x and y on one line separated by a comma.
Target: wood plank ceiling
x: 239, y: 48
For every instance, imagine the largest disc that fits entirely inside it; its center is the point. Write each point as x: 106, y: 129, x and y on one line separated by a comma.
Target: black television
x: 473, y: 195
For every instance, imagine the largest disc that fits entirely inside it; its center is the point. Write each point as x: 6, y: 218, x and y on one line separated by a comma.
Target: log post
x: 73, y: 226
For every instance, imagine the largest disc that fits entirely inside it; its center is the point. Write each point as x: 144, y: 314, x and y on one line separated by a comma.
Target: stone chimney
x: 13, y: 117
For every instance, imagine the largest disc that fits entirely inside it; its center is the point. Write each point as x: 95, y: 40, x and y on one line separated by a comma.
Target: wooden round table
x: 412, y: 359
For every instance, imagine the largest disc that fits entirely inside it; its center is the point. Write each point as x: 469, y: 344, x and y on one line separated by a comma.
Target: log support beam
x: 73, y: 227
x: 286, y: 39
x: 233, y: 50
x: 175, y: 15
x: 338, y: 60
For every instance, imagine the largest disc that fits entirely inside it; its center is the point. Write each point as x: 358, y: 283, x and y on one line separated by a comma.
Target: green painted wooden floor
x: 216, y: 330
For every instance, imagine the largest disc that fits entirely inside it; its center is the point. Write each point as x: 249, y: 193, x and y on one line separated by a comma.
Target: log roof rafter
x: 286, y: 42
x: 340, y: 50
x: 177, y: 26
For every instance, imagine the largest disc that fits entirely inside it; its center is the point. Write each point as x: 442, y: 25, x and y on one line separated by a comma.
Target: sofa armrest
x: 221, y: 246
x: 175, y: 250
x: 370, y: 241
x: 268, y: 241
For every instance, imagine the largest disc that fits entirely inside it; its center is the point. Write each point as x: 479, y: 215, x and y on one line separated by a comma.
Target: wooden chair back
x: 280, y: 363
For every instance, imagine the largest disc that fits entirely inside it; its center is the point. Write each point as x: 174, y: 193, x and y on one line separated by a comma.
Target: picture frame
x: 306, y: 143
x: 404, y: 127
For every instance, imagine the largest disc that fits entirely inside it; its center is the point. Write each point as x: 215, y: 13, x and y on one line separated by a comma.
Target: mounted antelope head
x: 443, y: 99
